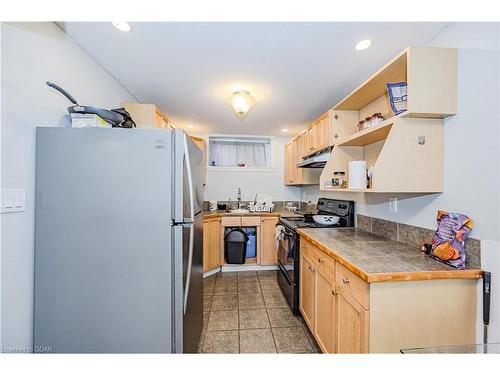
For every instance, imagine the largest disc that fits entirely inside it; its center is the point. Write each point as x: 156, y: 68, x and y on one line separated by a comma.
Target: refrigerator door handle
x: 191, y: 219
x: 190, y: 265
x: 190, y: 180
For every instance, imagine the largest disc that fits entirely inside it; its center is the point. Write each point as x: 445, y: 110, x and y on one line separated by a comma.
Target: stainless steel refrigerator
x: 118, y: 241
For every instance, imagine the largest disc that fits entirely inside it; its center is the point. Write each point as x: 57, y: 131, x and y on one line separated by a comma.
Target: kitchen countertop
x: 219, y: 213
x: 374, y: 258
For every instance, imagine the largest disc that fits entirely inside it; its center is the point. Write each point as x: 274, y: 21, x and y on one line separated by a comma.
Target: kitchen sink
x: 239, y: 211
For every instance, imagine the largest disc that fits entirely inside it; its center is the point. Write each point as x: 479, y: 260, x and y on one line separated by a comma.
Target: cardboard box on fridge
x: 87, y: 120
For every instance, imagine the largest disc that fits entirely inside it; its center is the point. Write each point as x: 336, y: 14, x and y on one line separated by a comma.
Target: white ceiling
x: 294, y: 70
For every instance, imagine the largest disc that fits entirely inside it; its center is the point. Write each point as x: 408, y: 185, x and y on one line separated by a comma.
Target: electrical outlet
x: 13, y: 200
x: 393, y: 204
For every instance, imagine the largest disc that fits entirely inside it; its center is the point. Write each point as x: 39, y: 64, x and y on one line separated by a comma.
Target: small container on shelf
x: 368, y: 122
x: 361, y: 125
x: 339, y: 180
x: 377, y: 118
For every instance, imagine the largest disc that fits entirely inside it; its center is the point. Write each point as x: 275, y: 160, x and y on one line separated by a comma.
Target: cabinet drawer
x: 352, y: 284
x: 319, y: 258
x: 231, y: 221
x: 250, y: 221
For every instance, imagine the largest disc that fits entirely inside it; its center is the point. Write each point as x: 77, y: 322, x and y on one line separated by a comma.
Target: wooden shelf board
x: 370, y: 135
x: 374, y: 87
x: 347, y: 190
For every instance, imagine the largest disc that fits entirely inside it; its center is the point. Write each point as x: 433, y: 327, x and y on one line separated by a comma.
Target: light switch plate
x: 13, y: 200
x: 393, y: 204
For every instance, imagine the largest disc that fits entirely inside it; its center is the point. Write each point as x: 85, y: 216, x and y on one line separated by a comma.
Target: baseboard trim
x: 247, y: 267
x: 211, y: 272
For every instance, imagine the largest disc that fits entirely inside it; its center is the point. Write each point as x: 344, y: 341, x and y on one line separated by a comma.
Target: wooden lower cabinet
x: 352, y: 324
x: 325, y: 317
x: 213, y: 239
x: 269, y: 252
x: 211, y: 244
x: 307, y: 291
x: 337, y: 321
x: 346, y: 314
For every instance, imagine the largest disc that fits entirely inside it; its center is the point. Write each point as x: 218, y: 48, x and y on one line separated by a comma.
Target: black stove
x: 289, y: 247
x: 300, y: 222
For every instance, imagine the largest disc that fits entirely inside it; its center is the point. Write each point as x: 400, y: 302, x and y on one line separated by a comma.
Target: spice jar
x: 339, y: 180
x: 361, y: 125
x: 368, y: 122
x: 377, y: 119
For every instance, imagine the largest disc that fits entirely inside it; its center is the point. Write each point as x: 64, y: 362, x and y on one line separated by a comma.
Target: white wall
x: 0, y: 186
x: 32, y: 54
x: 471, y: 153
x: 222, y: 185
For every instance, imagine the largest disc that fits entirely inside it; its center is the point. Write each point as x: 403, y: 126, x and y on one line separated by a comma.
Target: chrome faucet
x: 239, y: 199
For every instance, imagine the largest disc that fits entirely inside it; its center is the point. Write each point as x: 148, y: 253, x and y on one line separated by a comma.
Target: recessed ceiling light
x: 122, y: 26
x: 284, y: 130
x: 190, y: 126
x: 363, y: 44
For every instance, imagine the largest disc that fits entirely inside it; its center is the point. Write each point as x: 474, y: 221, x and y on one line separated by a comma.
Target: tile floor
x: 245, y: 312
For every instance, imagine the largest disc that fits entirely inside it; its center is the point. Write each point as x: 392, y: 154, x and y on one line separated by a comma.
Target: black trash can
x: 235, y: 246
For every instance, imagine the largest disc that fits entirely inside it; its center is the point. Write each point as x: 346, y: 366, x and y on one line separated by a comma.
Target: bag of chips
x: 398, y: 97
x: 449, y: 239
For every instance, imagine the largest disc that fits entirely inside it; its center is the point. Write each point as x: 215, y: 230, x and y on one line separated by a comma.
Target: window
x: 240, y: 152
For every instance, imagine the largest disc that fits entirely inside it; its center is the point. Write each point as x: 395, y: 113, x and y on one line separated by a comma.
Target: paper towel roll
x: 357, y: 174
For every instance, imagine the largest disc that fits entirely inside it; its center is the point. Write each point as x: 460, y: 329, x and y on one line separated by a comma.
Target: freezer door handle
x: 190, y: 180
x: 190, y: 265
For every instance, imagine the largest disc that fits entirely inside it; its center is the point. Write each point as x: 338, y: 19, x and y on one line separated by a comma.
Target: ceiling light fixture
x: 122, y: 26
x: 190, y: 126
x: 241, y: 101
x: 363, y: 44
x: 284, y: 130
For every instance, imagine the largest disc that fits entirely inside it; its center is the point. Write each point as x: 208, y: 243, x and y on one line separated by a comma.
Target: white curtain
x: 233, y: 153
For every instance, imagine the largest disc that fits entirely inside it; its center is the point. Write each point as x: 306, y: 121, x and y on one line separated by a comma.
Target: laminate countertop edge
x: 394, y: 276
x: 216, y: 214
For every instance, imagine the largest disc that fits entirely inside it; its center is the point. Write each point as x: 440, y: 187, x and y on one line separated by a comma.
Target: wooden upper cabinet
x: 296, y: 171
x: 318, y: 136
x: 269, y: 253
x: 293, y: 155
x: 293, y: 174
x: 315, y: 133
x: 288, y: 178
x: 147, y: 115
x: 326, y: 129
x: 343, y: 124
x: 202, y: 144
x: 352, y: 324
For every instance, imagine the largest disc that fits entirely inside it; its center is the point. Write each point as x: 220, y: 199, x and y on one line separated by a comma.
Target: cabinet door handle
x: 313, y: 269
x: 320, y: 260
x: 345, y: 281
x: 334, y: 292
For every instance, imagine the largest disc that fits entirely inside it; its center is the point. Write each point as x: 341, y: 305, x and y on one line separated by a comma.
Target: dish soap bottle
x: 310, y: 207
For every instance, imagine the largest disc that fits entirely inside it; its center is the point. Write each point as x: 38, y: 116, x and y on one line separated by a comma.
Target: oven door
x: 287, y: 253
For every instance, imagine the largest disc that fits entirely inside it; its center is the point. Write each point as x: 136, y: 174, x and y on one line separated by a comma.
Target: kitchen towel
x: 357, y: 174
x: 279, y: 234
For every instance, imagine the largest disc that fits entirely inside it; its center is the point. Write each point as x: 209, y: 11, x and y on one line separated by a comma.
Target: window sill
x: 240, y: 169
